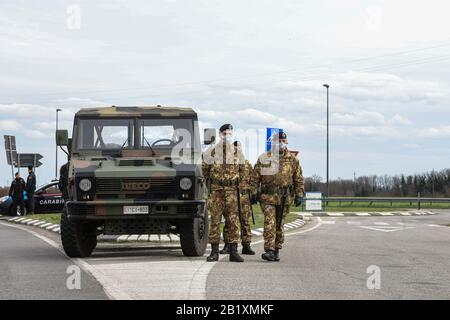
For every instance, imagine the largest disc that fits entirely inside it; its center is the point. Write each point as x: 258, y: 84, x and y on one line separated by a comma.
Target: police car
x: 47, y: 199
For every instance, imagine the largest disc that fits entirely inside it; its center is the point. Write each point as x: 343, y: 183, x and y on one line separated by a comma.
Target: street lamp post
x: 56, y: 150
x: 328, y: 139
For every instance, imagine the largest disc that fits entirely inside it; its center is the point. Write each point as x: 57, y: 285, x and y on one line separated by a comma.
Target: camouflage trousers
x: 223, y: 203
x: 273, y: 234
x: 246, y: 230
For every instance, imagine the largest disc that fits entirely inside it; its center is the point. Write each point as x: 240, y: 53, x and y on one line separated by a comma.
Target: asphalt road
x: 32, y: 269
x: 326, y: 259
x: 331, y: 262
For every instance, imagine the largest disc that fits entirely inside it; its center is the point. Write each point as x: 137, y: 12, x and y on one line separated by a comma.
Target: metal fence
x: 417, y: 201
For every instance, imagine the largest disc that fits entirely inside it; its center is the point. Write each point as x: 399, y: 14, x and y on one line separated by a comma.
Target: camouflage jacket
x: 222, y: 167
x: 248, y: 178
x: 272, y: 173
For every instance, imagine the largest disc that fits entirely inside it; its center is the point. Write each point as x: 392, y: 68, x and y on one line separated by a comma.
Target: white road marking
x: 256, y: 233
x: 153, y: 238
x: 362, y: 214
x: 174, y: 237
x: 45, y: 225
x: 306, y: 214
x: 385, y: 213
x: 143, y: 237
x: 164, y: 238
x: 405, y: 213
x: 123, y: 237
x: 381, y: 223
x: 354, y: 222
x: 433, y: 225
x: 328, y: 222
x: 133, y: 237
x: 335, y: 214
x: 385, y: 228
x: 291, y: 225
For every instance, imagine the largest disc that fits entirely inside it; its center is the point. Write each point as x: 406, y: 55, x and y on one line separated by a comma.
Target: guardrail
x: 419, y: 201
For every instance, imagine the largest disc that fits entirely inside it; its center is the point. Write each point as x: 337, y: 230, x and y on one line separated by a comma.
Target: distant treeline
x: 431, y: 184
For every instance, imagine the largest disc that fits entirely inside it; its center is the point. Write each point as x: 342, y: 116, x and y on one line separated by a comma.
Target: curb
x: 366, y: 214
x: 155, y: 238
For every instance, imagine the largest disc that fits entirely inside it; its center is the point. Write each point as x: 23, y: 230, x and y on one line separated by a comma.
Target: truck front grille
x: 135, y: 185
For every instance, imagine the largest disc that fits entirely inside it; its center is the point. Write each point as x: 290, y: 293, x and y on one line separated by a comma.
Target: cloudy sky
x: 254, y: 63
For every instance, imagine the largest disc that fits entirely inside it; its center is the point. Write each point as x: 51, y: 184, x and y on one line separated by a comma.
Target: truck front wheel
x: 78, y: 239
x: 194, y: 236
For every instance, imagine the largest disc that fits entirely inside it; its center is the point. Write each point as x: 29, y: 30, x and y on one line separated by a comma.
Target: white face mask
x: 279, y: 146
x: 227, y: 138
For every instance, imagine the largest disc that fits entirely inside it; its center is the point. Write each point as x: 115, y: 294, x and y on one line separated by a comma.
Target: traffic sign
x: 313, y: 201
x: 28, y: 159
x: 10, y: 148
x: 269, y: 134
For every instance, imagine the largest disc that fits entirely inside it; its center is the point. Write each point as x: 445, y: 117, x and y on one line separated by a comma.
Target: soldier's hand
x: 297, y: 201
x: 254, y: 199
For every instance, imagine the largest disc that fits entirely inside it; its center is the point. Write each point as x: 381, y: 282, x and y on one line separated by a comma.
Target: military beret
x: 226, y: 127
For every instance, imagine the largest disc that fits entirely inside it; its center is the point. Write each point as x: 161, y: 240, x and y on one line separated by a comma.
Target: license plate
x: 135, y: 210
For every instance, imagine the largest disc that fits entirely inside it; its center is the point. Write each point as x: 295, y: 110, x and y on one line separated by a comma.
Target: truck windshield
x: 165, y: 133
x: 105, y: 134
x: 116, y: 134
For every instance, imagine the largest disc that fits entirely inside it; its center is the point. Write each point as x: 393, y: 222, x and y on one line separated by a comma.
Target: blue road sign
x: 269, y: 133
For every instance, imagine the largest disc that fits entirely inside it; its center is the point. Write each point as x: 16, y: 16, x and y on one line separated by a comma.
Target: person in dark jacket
x: 16, y: 193
x: 30, y: 188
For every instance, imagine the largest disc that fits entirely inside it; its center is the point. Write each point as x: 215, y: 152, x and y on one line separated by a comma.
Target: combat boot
x: 214, y: 256
x: 234, y: 256
x: 268, y: 256
x: 276, y: 255
x: 226, y: 249
x: 246, y: 249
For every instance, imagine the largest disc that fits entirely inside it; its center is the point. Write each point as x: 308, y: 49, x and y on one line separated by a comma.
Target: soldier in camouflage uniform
x: 247, y: 189
x: 222, y: 169
x: 277, y: 172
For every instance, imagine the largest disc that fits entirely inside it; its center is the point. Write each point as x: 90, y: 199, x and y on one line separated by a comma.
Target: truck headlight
x: 85, y: 185
x: 185, y: 184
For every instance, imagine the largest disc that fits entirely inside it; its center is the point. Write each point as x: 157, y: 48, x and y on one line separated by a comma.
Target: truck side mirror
x: 62, y: 138
x: 209, y: 136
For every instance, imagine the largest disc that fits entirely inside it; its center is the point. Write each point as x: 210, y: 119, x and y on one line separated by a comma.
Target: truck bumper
x: 113, y: 210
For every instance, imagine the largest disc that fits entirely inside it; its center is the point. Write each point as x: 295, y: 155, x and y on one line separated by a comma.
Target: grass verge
x: 54, y: 218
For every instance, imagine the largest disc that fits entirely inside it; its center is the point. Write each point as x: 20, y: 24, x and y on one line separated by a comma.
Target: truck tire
x: 194, y: 236
x: 78, y: 239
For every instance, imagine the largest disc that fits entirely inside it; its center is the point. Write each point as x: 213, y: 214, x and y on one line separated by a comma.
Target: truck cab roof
x: 133, y: 111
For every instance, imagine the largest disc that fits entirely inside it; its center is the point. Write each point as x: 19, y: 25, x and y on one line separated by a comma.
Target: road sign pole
x: 11, y: 153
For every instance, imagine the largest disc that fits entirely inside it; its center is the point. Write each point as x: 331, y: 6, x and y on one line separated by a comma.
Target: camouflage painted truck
x: 123, y: 176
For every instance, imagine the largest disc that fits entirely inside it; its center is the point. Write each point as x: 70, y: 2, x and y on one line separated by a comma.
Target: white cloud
x: 14, y: 127
x: 399, y: 120
x: 359, y: 118
x: 9, y: 125
x: 435, y: 132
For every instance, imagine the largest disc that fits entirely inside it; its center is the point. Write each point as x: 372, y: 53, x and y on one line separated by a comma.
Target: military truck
x: 123, y: 176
